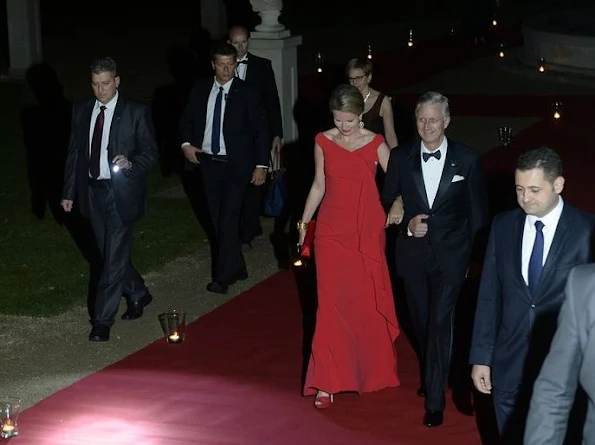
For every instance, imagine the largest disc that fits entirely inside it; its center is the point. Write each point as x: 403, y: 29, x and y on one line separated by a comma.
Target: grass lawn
x: 41, y: 271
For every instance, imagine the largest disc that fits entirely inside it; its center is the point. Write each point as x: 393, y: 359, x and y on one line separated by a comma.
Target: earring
x: 361, y: 124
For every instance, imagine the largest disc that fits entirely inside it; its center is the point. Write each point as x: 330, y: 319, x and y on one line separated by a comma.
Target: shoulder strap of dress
x: 378, y: 103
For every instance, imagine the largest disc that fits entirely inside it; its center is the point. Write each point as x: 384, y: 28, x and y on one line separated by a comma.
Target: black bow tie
x: 243, y: 61
x: 435, y: 154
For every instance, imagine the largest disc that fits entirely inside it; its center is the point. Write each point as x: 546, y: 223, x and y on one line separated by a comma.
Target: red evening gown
x: 356, y: 323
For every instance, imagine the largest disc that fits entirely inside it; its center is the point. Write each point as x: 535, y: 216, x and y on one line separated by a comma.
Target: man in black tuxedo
x: 445, y: 203
x: 223, y: 129
x: 529, y: 256
x: 257, y: 71
x: 111, y: 148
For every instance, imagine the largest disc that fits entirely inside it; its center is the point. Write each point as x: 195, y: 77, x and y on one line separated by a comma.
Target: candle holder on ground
x: 501, y: 52
x: 10, y: 409
x: 319, y: 61
x: 369, y: 56
x: 410, y: 41
x: 557, y: 109
x: 173, y: 324
x: 541, y: 65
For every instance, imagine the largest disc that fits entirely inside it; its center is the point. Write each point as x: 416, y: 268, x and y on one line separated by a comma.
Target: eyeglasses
x: 431, y: 121
x: 356, y: 79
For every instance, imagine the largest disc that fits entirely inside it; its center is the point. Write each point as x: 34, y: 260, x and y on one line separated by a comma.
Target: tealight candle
x: 7, y: 427
x: 541, y: 65
x: 174, y: 337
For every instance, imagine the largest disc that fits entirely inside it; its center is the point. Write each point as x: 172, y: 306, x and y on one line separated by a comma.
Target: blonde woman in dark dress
x: 378, y: 111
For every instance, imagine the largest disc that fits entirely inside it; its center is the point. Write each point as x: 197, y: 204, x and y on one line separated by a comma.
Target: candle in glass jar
x: 8, y: 427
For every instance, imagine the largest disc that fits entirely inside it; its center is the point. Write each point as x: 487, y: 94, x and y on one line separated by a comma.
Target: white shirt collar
x: 550, y: 220
x: 226, y: 86
x: 443, y: 147
x: 110, y: 105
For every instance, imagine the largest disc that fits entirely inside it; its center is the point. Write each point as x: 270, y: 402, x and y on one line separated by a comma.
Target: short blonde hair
x: 348, y: 99
x: 362, y: 64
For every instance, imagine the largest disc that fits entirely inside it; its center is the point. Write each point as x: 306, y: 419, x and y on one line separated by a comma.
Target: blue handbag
x: 276, y: 195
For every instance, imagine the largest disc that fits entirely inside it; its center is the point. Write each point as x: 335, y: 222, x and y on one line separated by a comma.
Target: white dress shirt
x: 206, y: 142
x: 242, y: 67
x: 104, y: 161
x: 432, y: 170
x: 550, y: 223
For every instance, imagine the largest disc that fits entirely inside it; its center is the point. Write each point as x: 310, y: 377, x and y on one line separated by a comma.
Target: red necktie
x: 96, y: 144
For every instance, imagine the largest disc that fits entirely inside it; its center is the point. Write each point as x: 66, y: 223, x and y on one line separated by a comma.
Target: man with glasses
x: 445, y: 202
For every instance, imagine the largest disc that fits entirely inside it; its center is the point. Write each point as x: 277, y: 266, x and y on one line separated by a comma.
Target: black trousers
x: 225, y: 195
x: 250, y: 226
x: 431, y: 302
x: 118, y: 276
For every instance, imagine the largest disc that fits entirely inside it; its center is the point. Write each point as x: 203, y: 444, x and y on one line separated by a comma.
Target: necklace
x: 367, y: 95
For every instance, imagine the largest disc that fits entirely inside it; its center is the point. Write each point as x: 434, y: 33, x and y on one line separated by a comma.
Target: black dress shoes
x: 421, y: 391
x: 99, y: 333
x: 433, y: 418
x: 217, y: 287
x: 136, y: 308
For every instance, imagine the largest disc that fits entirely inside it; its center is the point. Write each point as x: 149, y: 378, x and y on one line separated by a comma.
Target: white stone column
x: 214, y: 17
x: 24, y: 35
x: 273, y: 41
x: 282, y: 52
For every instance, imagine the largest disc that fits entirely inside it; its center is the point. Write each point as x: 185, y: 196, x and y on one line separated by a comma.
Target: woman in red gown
x: 353, y: 344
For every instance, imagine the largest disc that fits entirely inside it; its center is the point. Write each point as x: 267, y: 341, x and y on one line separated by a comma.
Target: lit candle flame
x: 495, y: 22
x: 8, y: 426
x: 298, y: 263
x: 557, y: 115
x: 174, y: 337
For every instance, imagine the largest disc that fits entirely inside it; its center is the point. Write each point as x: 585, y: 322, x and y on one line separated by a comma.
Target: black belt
x: 215, y: 158
x: 100, y: 183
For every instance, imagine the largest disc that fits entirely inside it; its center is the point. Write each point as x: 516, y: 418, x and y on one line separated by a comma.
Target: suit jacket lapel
x: 86, y: 128
x: 114, y: 127
x: 249, y: 68
x: 517, y: 237
x: 229, y: 101
x: 562, y: 231
x: 448, y: 172
x: 418, y: 177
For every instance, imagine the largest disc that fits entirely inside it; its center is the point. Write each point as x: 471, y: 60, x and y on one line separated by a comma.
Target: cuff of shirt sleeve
x: 186, y: 144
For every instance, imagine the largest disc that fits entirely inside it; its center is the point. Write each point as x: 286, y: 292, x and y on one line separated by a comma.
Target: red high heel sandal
x: 322, y: 402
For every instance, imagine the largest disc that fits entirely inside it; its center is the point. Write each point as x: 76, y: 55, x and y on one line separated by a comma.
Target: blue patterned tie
x: 536, y: 260
x: 216, y: 132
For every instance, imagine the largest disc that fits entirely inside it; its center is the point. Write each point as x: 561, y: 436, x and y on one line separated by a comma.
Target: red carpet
x: 236, y: 380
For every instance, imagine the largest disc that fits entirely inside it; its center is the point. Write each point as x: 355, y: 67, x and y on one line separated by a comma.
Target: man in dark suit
x: 443, y: 192
x: 570, y: 362
x: 111, y: 148
x: 223, y: 129
x: 257, y: 71
x: 529, y: 256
